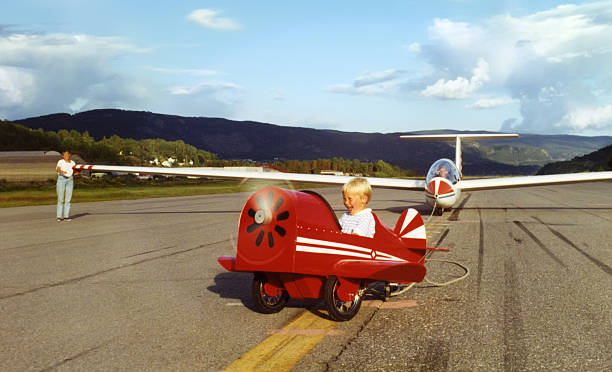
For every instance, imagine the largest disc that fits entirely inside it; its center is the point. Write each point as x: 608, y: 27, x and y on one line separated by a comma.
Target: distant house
x: 332, y: 173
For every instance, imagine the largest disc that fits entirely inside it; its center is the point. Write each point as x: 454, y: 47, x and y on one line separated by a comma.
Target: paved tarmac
x: 134, y: 285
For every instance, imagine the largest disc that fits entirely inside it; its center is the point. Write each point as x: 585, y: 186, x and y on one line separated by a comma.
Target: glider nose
x: 438, y: 187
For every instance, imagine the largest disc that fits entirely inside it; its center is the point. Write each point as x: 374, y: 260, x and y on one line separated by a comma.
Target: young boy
x: 358, y: 219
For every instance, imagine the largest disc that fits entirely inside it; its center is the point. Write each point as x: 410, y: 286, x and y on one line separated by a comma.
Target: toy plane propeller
x: 442, y: 186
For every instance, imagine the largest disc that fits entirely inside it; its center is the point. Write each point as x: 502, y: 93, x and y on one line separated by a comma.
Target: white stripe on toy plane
x: 340, y: 252
x: 329, y: 247
x: 301, y: 239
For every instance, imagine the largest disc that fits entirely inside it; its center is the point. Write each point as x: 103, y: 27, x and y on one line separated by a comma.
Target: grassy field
x: 17, y: 194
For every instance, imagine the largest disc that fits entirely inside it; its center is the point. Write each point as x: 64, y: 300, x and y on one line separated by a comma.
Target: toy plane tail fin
x: 410, y: 225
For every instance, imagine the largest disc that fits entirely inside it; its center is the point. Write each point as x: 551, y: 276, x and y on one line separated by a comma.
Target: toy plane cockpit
x: 292, y: 242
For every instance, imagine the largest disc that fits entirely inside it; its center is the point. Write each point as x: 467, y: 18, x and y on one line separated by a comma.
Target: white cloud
x: 461, y: 87
x: 370, y: 78
x: 384, y: 82
x: 551, y: 62
x: 47, y: 73
x: 490, y: 103
x: 44, y: 73
x: 457, y: 34
x: 185, y: 71
x: 208, y: 18
x: 14, y: 87
x: 35, y: 49
x: 78, y: 104
x: 415, y: 47
x: 210, y: 87
x: 585, y: 118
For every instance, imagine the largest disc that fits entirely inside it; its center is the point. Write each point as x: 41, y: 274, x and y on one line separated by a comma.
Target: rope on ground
x: 405, y: 288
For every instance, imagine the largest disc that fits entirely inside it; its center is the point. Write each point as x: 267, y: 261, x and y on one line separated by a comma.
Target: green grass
x: 85, y: 190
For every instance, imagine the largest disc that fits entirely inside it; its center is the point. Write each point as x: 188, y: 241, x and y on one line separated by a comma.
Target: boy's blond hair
x: 358, y: 185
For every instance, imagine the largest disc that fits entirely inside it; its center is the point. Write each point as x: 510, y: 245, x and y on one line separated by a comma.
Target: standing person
x: 65, y: 185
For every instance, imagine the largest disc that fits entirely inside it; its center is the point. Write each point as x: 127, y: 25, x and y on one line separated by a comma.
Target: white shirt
x: 66, y: 167
x: 361, y: 223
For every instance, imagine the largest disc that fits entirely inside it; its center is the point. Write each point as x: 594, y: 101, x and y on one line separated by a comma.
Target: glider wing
x: 392, y: 183
x: 510, y: 182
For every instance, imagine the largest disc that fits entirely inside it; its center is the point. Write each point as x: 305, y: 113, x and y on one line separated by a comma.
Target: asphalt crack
x: 351, y: 340
x: 515, y: 351
x: 73, y: 357
x: 607, y: 269
x: 480, y: 252
x: 538, y: 242
x: 88, y: 276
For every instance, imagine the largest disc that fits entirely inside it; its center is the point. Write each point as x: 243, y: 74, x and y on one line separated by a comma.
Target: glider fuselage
x: 441, y: 189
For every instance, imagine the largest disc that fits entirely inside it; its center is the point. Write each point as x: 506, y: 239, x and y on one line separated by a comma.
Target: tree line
x: 112, y: 150
x: 126, y: 151
x: 347, y: 166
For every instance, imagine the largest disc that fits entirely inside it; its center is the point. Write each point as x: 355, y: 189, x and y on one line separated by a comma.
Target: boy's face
x: 354, y: 202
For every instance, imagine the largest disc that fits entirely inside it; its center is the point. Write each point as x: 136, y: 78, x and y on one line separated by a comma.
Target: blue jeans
x: 64, y: 194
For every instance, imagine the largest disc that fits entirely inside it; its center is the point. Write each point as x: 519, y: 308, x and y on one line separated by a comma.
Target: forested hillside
x: 113, y: 150
x: 120, y: 151
x: 600, y: 160
x: 262, y: 142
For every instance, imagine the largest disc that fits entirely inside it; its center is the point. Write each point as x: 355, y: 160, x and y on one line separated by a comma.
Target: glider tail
x: 458, y: 137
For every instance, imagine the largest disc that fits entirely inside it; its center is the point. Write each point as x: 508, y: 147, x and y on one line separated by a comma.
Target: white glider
x: 442, y: 186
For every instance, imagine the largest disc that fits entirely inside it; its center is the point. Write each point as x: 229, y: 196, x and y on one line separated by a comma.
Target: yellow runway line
x: 285, y: 347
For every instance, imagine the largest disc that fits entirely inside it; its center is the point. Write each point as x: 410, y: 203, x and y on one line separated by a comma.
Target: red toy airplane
x: 292, y: 242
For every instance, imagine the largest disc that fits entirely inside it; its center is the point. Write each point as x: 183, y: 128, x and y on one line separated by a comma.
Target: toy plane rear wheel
x: 340, y: 310
x: 265, y: 303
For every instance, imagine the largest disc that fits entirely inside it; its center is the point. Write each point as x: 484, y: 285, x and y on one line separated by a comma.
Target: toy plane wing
x: 392, y: 271
x: 510, y: 182
x: 392, y: 183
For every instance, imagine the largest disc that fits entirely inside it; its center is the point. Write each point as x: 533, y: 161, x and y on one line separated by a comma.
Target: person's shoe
x: 59, y: 220
x: 67, y: 219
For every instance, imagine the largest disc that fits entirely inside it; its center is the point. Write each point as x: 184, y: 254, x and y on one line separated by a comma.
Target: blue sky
x: 390, y: 66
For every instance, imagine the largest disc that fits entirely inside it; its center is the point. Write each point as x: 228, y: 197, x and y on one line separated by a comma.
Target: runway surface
x: 134, y: 285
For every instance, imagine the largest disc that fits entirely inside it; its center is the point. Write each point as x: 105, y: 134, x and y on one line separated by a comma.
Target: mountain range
x: 262, y: 142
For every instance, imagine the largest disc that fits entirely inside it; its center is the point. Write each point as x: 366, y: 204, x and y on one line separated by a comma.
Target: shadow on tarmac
x: 237, y: 286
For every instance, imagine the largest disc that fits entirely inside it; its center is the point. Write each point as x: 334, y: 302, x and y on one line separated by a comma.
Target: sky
x: 388, y: 66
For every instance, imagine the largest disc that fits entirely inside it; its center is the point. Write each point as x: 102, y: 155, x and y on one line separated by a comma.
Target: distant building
x: 332, y: 173
x: 30, y: 165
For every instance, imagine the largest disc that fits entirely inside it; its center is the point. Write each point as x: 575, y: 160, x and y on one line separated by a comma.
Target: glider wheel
x: 265, y: 303
x: 340, y: 310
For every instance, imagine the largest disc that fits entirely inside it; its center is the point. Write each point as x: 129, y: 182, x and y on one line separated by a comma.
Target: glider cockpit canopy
x: 443, y: 168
